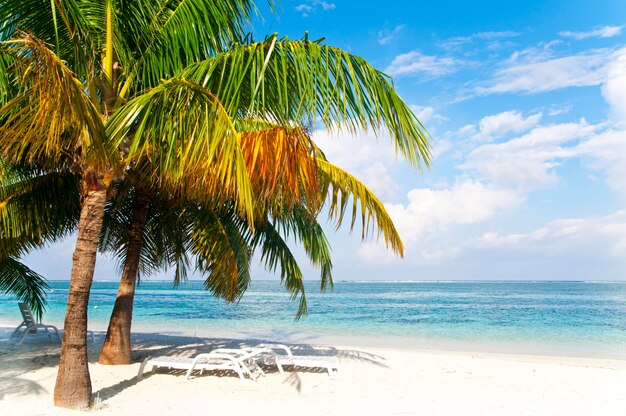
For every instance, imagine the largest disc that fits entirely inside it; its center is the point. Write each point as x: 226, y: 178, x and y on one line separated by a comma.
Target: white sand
x: 372, y: 381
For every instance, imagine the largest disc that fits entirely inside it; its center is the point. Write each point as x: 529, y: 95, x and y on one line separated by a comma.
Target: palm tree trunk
x: 73, y: 385
x: 117, y: 347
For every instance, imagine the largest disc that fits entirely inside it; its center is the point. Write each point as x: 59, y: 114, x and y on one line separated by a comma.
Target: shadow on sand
x: 148, y: 345
x: 35, y: 352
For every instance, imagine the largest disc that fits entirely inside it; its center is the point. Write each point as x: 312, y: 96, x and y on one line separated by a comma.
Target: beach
x: 405, y: 348
x: 371, y: 381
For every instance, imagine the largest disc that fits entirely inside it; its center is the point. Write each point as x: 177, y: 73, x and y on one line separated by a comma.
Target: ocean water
x: 554, y: 318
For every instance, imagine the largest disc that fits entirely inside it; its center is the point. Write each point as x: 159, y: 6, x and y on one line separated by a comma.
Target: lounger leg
x: 17, y: 330
x: 189, y: 371
x: 26, y: 331
x: 241, y: 376
x: 141, y: 368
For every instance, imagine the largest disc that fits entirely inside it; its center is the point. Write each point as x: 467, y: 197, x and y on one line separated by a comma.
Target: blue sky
x: 526, y: 105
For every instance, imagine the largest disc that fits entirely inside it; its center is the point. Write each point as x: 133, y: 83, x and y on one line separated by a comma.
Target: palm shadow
x: 34, y: 353
x: 147, y: 345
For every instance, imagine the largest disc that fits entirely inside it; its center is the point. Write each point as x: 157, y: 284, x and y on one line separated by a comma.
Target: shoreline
x: 372, y: 381
x: 407, y: 343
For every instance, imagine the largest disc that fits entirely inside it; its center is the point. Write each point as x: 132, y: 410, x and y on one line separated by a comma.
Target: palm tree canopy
x: 176, y: 90
x: 36, y: 208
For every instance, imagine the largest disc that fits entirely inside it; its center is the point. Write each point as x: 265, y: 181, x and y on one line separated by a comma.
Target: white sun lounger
x: 285, y: 357
x: 240, y: 361
x: 250, y: 356
x: 30, y: 327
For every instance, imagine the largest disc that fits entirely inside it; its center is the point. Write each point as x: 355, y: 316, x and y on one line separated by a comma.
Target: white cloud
x: 534, y: 72
x: 365, y: 156
x: 426, y: 114
x: 558, y: 110
x: 415, y: 63
x: 376, y: 176
x: 497, y: 125
x: 385, y: 36
x: 529, y: 161
x: 440, y: 147
x: 430, y: 216
x: 597, y: 236
x: 313, y: 5
x: 434, y: 210
x: 466, y: 130
x: 614, y: 88
x: 457, y: 41
x: 607, y: 151
x: 601, y: 32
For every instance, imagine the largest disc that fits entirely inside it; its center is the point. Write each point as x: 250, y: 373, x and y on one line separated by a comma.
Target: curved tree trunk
x: 116, y: 348
x: 73, y: 385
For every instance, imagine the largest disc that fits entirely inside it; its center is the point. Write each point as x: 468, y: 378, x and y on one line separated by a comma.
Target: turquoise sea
x: 555, y: 318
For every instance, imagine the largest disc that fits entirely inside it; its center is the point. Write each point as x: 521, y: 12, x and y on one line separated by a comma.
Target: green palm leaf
x: 167, y: 35
x: 25, y: 284
x: 53, y: 117
x: 301, y: 82
x: 182, y: 129
x: 36, y: 208
x: 221, y: 246
x: 345, y: 188
x: 275, y: 253
x: 306, y: 230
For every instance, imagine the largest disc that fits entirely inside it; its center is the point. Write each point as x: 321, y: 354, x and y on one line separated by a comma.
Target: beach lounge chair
x: 250, y: 356
x: 30, y: 327
x: 240, y: 361
x: 285, y: 357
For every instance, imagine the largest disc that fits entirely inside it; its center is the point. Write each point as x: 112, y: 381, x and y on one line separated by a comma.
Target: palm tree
x: 146, y: 236
x: 28, y: 221
x: 103, y: 86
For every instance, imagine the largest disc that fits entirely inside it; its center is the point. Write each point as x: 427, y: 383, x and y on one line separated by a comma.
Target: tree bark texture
x: 73, y: 384
x: 116, y: 349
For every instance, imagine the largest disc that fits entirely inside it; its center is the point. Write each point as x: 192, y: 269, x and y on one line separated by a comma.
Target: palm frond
x: 57, y: 22
x: 220, y: 244
x: 345, y: 188
x: 302, y: 82
x: 7, y: 83
x: 189, y: 140
x: 281, y: 164
x: 26, y: 285
x: 166, y: 35
x: 275, y: 253
x: 307, y: 231
x: 37, y: 207
x: 53, y: 116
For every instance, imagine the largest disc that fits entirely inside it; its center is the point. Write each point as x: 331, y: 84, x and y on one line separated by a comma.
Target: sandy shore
x: 372, y: 381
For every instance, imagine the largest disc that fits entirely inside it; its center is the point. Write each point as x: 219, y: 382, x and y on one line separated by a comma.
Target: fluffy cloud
x: 496, y: 126
x: 529, y: 161
x: 614, y: 88
x: 416, y: 63
x: 433, y: 213
x: 602, y: 32
x: 601, y: 235
x: 607, y: 153
x: 425, y: 114
x: 457, y: 41
x: 430, y: 211
x: 313, y: 5
x: 385, y: 36
x: 534, y: 72
x: 365, y: 156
